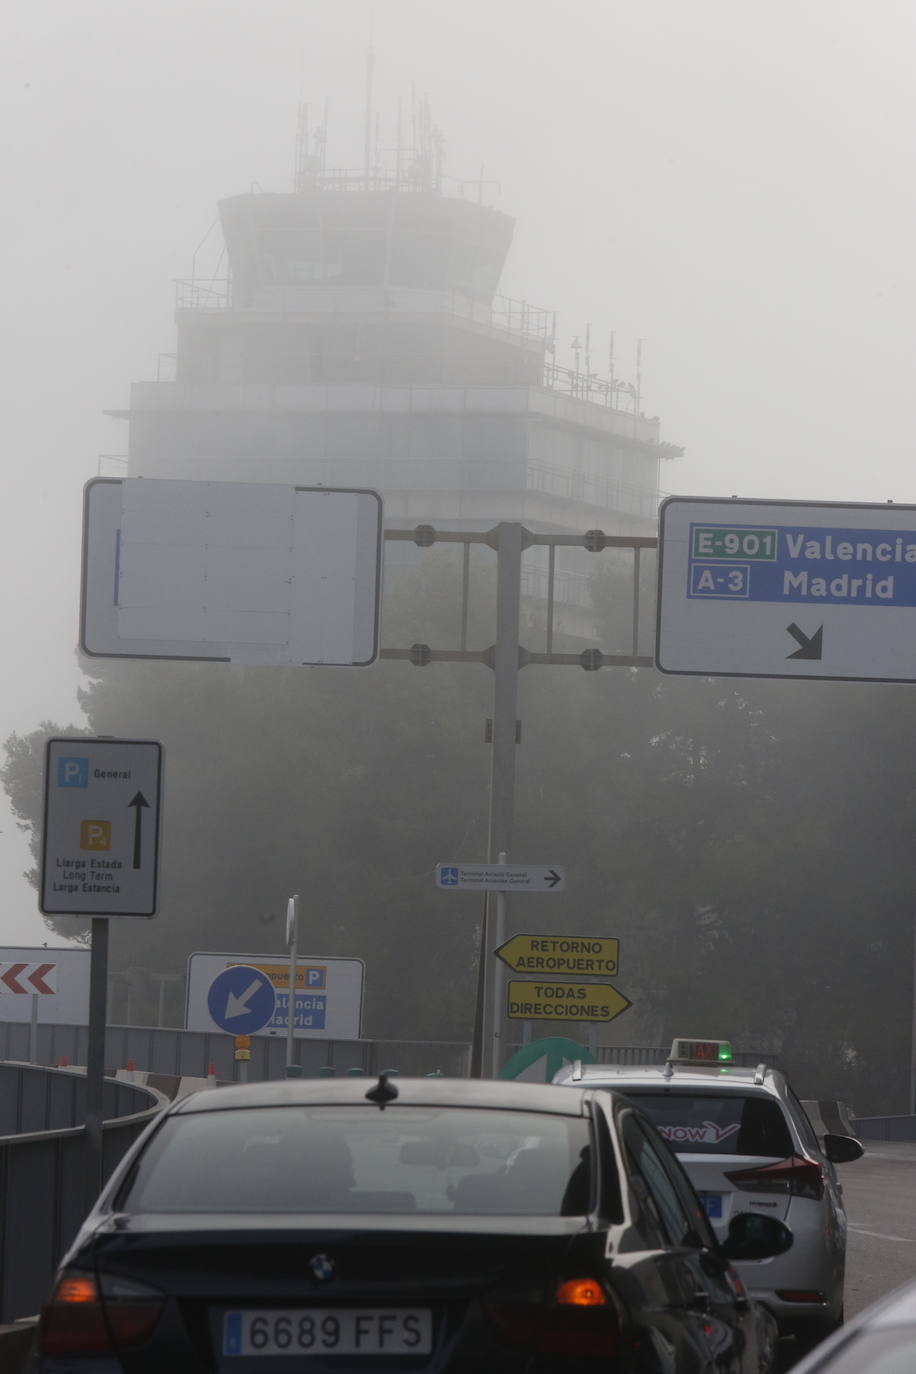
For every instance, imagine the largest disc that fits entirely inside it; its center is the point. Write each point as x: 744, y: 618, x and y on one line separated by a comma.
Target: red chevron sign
x: 28, y: 978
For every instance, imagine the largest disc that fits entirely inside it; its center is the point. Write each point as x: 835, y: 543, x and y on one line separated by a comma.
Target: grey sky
x: 729, y: 180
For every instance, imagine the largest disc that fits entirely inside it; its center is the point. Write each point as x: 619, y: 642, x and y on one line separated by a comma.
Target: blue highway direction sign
x: 787, y: 589
x: 241, y: 1000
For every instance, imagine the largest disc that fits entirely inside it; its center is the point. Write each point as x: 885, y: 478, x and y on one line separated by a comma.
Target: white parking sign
x: 101, y: 827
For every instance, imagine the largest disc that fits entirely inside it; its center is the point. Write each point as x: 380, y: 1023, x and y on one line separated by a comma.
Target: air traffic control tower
x: 358, y: 339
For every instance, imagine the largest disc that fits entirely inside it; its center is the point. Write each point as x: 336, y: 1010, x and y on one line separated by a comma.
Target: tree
x: 730, y: 833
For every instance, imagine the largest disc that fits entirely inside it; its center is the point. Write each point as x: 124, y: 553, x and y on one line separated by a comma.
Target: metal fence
x: 655, y: 1054
x: 43, y: 1186
x: 885, y: 1127
x: 189, y: 1054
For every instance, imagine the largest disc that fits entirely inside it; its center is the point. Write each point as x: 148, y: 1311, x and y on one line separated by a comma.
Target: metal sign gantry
x: 506, y: 656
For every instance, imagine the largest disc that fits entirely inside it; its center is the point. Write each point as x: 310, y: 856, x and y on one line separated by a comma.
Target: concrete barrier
x: 170, y: 1084
x: 829, y: 1117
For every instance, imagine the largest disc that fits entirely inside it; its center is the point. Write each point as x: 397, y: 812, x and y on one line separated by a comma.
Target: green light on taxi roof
x: 710, y: 1052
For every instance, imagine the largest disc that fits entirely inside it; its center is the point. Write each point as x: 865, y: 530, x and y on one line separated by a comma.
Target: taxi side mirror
x: 842, y: 1149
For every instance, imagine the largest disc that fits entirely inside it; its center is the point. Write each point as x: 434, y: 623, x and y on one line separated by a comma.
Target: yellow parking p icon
x: 95, y: 834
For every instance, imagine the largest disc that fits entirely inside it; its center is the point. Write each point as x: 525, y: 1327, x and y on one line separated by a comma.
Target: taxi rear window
x: 716, y: 1123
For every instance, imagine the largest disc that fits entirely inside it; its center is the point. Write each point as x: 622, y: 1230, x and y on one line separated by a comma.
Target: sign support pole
x: 292, y: 937
x: 911, y: 1104
x: 499, y: 982
x: 509, y: 546
x: 95, y: 1055
x: 475, y: 1068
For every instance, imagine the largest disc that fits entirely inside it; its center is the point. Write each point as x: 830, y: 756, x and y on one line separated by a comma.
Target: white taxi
x: 747, y: 1145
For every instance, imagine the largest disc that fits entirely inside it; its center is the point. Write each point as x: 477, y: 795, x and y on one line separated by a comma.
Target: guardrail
x: 828, y: 1116
x: 37, y: 1099
x: 43, y: 1185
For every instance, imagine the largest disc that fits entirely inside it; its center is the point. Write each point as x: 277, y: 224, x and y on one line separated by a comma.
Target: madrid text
x: 827, y: 548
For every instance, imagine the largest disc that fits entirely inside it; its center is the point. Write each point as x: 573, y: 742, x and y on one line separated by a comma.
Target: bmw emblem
x: 321, y: 1268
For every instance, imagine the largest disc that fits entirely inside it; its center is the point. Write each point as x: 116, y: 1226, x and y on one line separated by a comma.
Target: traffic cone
x: 63, y: 1062
x: 211, y: 1075
x: 130, y: 1070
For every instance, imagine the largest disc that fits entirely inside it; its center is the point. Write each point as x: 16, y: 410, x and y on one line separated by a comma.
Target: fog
x: 728, y: 182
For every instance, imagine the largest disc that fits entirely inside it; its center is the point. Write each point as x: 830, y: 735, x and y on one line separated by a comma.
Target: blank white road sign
x: 328, y: 1002
x: 787, y: 589
x: 100, y: 844
x: 235, y: 571
x: 59, y: 977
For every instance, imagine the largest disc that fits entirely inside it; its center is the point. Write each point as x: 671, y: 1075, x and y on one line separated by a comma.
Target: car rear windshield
x: 358, y: 1159
x: 712, y: 1123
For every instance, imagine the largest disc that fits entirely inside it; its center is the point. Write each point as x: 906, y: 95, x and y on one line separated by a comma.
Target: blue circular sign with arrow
x: 241, y: 999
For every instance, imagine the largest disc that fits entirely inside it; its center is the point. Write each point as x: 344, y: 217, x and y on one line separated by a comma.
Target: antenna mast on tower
x: 302, y: 148
x: 370, y: 70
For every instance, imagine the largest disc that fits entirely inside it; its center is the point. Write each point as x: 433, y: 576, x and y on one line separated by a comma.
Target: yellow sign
x: 95, y: 834
x: 309, y: 977
x: 548, y: 1001
x: 597, y: 956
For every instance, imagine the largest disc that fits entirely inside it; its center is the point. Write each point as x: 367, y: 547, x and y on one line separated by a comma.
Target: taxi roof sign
x: 685, y: 1051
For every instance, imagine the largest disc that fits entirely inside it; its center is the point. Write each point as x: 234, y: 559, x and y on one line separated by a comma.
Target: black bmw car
x: 424, y: 1225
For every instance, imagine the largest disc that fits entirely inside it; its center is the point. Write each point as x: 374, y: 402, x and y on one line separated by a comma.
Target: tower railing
x: 529, y: 324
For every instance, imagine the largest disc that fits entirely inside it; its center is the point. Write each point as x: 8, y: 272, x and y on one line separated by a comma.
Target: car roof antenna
x: 384, y: 1092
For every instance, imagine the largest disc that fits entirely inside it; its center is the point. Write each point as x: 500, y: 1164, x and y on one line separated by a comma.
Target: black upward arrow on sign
x: 810, y: 647
x: 138, y: 804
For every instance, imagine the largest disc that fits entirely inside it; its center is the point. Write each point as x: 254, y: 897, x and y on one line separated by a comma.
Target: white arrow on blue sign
x: 241, y: 1000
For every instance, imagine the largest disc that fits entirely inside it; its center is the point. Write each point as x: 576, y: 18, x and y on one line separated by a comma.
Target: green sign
x: 752, y: 545
x: 553, y: 1049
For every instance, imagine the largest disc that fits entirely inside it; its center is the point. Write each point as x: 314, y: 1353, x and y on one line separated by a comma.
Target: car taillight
x: 796, y: 1176
x: 581, y: 1320
x: 88, y: 1317
x: 581, y: 1293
